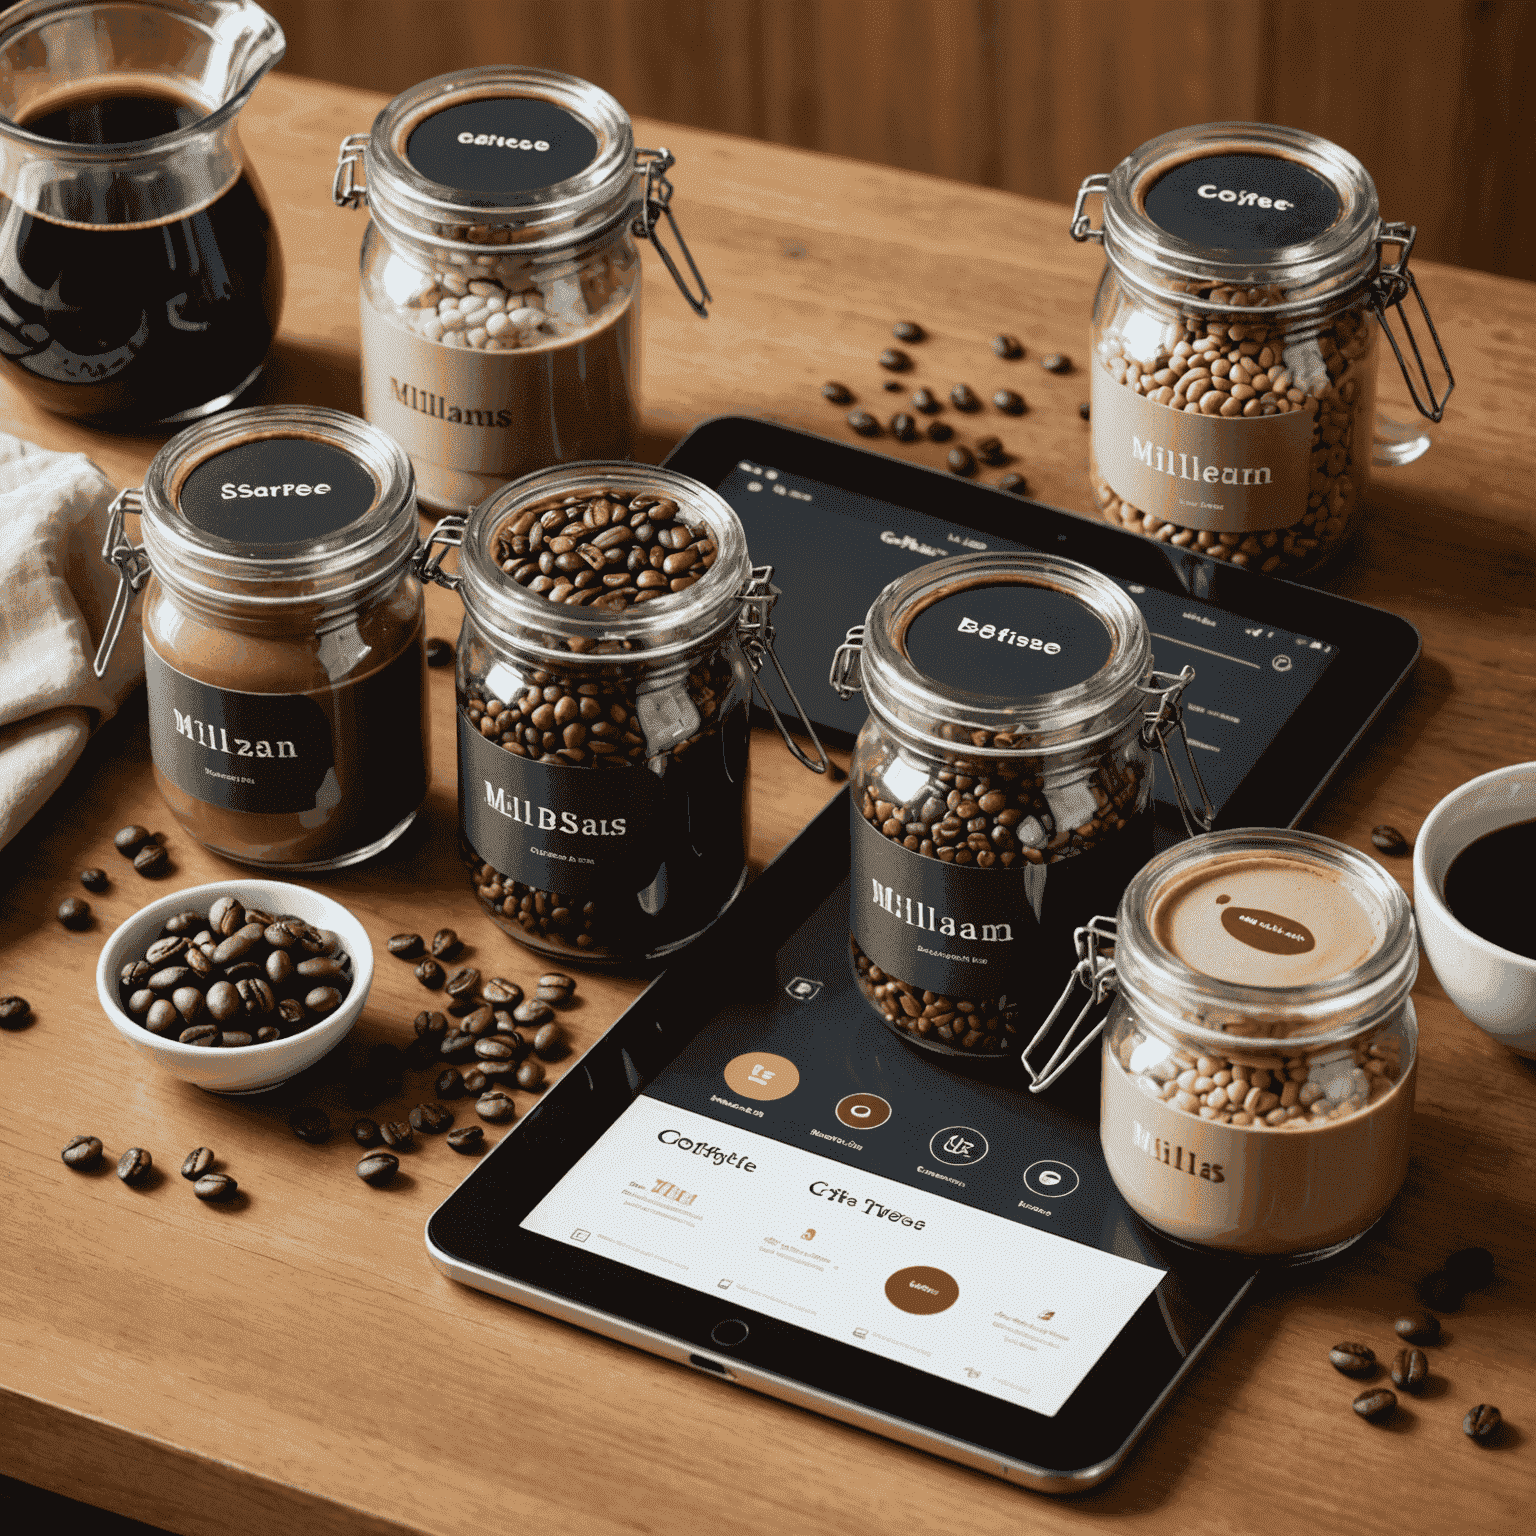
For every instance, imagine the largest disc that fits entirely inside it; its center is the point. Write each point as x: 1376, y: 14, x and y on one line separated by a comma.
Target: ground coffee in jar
x: 612, y: 626
x: 500, y: 276
x: 1235, y: 338
x: 1000, y: 787
x: 283, y: 634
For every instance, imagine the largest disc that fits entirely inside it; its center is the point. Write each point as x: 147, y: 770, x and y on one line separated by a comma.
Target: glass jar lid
x: 502, y: 156
x: 1004, y: 654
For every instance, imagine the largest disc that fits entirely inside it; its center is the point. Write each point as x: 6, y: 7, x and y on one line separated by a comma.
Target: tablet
x: 1286, y: 677
x: 752, y: 1175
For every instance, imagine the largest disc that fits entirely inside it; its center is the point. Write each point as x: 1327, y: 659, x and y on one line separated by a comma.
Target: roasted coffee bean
x: 267, y: 1034
x: 94, y: 880
x: 320, y: 968
x: 151, y: 861
x: 397, y: 1134
x: 499, y: 1073
x: 446, y: 944
x: 256, y: 996
x: 14, y: 1012
x: 465, y: 982
x: 456, y: 1045
x: 964, y: 398
x: 430, y: 974
x: 549, y: 1042
x: 495, y: 1106
x: 501, y: 993
x: 1443, y: 1292
x: 430, y: 1026
x: 1388, y: 839
x: 533, y: 1012
x: 961, y: 461
x: 990, y: 450
x: 461, y: 1007
x: 279, y: 967
x: 209, y: 1036
x: 161, y: 1017
x: 311, y: 1125
x: 1417, y: 1327
x: 476, y: 1080
x: 141, y: 1001
x: 431, y: 1119
x: 215, y: 1187
x: 1085, y: 410
x: 1014, y: 483
x: 168, y: 978
x: 1352, y: 1359
x: 908, y: 330
x: 134, y: 1165
x: 439, y: 651
x: 468, y: 1138
x: 75, y: 913
x: 904, y: 427
x: 1470, y: 1268
x: 378, y: 1168
x: 1009, y: 347
x: 188, y: 1002
x: 479, y: 1021
x: 495, y: 1048
x: 197, y: 1162
x: 895, y: 360
x: 449, y: 1084
x: 405, y: 946
x: 557, y: 981
x: 128, y: 840
x: 226, y: 916
x: 1009, y: 402
x: 291, y: 1012
x: 1410, y: 1369
x: 1481, y: 1422
x: 864, y: 424
x: 838, y: 394
x: 237, y: 946
x: 365, y: 1132
x: 530, y: 1075
x: 1056, y: 362
x: 927, y: 402
x: 1375, y: 1404
x: 223, y: 1001
x: 166, y: 949
x: 82, y: 1152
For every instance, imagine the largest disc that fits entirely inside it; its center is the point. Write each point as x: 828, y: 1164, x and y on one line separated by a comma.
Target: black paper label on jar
x: 1008, y: 641
x: 578, y: 831
x: 286, y: 753
x: 277, y: 490
x: 497, y: 146
x: 1242, y: 202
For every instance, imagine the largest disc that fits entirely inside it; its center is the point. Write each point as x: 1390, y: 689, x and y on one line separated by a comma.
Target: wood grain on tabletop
x: 297, y: 1364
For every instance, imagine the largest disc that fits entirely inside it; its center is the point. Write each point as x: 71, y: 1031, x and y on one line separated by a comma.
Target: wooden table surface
x: 296, y: 1364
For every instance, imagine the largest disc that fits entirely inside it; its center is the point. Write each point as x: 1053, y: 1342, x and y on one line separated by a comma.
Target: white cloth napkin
x: 55, y: 595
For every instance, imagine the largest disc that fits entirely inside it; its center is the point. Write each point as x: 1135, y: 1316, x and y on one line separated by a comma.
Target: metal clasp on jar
x: 1082, y: 226
x: 1391, y: 285
x: 844, y: 676
x: 428, y: 560
x: 1163, y: 719
x: 755, y: 632
x: 657, y: 201
x: 1096, y: 972
x: 347, y: 187
x: 132, y: 571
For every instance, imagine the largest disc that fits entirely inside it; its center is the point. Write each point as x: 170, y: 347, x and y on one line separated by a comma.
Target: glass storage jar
x: 1260, y: 1055
x: 284, y: 654
x: 1233, y: 378
x: 500, y: 275
x: 1001, y: 788
x: 612, y: 627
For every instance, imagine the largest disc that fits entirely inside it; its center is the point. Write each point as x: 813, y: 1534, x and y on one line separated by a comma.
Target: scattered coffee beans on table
x: 82, y: 1152
x: 909, y: 331
x: 134, y: 1165
x: 892, y: 386
x: 838, y: 394
x: 961, y: 461
x: 152, y: 860
x: 964, y: 398
x: 430, y: 974
x: 1014, y: 483
x: 446, y: 944
x: 924, y: 400
x: 196, y: 1163
x: 1410, y: 1369
x: 990, y: 450
x: 378, y: 1168
x: 94, y: 880
x: 1376, y: 1404
x: 398, y: 1135
x: 75, y: 913
x: 431, y: 1119
x: 311, y: 1125
x: 468, y: 1138
x: 904, y: 427
x: 939, y: 431
x: 365, y: 1132
x: 1085, y: 410
x: 1056, y: 362
x: 895, y: 359
x: 1418, y: 1327
x: 215, y: 1187
x: 1009, y: 402
x: 1481, y: 1422
x: 1008, y: 347
x: 14, y: 1012
x: 863, y: 423
x: 405, y: 946
x: 1389, y: 840
x: 128, y: 840
x: 495, y: 1105
x: 1352, y: 1359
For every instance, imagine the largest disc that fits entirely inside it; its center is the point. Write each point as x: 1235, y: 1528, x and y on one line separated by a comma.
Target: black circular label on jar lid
x: 1012, y: 640
x: 497, y: 146
x: 1243, y: 202
x: 277, y: 490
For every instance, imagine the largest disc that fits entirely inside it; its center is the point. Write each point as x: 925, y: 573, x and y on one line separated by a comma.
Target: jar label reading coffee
x: 1242, y: 202
x: 498, y: 146
x: 579, y: 831
x: 1237, y: 474
x: 276, y: 753
x: 277, y: 490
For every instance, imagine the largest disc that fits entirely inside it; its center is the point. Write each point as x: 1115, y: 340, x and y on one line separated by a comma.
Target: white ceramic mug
x: 1493, y: 987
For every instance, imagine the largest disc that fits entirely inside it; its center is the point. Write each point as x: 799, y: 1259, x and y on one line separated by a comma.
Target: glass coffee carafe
x: 140, y: 277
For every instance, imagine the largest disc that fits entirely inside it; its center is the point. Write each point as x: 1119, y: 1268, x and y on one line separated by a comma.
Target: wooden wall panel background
x: 1435, y: 96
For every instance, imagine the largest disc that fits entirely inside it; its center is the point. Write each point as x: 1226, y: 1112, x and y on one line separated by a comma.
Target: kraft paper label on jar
x: 578, y: 831
x: 1242, y: 202
x: 286, y: 753
x: 1225, y: 474
x: 276, y: 490
x: 497, y: 146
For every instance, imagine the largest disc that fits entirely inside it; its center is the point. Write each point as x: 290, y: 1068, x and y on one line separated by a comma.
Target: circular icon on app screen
x: 1051, y: 1180
x: 958, y: 1145
x: 762, y: 1075
x: 922, y: 1290
x: 863, y: 1111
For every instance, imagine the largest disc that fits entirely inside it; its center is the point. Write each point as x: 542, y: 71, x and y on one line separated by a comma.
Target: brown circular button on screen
x: 762, y: 1075
x: 922, y: 1290
x: 863, y: 1111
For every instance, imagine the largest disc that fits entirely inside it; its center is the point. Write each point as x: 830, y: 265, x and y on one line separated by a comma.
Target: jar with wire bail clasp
x: 613, y: 626
x: 501, y: 275
x: 1000, y: 789
x: 284, y: 649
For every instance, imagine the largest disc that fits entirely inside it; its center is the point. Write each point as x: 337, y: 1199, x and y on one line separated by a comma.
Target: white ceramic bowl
x: 249, y: 1068
x: 1494, y: 988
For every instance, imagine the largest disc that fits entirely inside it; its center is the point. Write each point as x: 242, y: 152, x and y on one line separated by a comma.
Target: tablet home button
x: 729, y: 1333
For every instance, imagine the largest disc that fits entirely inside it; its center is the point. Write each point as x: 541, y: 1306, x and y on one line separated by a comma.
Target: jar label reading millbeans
x: 1227, y: 474
x: 1242, y: 202
x: 579, y: 831
x: 497, y: 146
x: 277, y: 490
x: 280, y: 753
